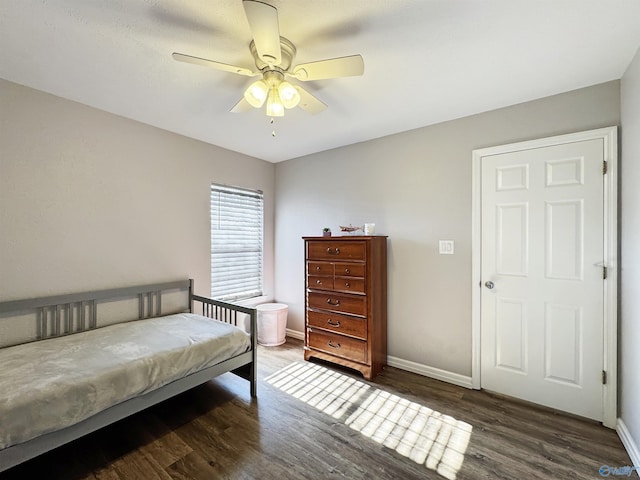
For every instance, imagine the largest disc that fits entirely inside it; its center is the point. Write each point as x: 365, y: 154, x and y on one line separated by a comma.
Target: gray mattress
x: 51, y: 384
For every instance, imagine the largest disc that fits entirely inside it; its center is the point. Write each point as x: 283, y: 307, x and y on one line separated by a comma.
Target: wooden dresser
x: 346, y: 301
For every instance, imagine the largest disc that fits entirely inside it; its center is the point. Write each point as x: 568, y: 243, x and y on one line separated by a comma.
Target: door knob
x: 489, y: 284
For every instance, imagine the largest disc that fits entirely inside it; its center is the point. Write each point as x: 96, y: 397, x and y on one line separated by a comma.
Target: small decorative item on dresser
x: 350, y: 230
x: 326, y: 232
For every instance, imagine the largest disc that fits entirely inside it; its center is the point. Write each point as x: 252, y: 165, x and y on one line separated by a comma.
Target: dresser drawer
x: 341, y: 303
x: 348, y: 284
x: 356, y: 327
x: 323, y: 283
x: 319, y: 268
x: 335, y: 250
x: 349, y: 269
x: 338, y: 345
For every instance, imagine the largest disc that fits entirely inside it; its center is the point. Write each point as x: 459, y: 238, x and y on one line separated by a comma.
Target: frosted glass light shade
x: 288, y: 95
x: 275, y: 108
x: 256, y: 94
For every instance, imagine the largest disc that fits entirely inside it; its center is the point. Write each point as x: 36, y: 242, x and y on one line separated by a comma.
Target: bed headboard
x: 77, y: 312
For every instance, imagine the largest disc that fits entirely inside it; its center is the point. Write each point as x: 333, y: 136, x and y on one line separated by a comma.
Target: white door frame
x: 609, y: 136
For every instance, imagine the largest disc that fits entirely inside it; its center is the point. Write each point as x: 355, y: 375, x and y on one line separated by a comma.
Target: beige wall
x: 630, y: 255
x: 416, y: 187
x: 91, y: 200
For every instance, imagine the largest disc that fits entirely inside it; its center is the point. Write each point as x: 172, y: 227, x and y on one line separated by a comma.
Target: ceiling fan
x: 273, y: 56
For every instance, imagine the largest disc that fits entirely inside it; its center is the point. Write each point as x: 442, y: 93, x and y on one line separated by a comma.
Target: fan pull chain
x: 273, y: 132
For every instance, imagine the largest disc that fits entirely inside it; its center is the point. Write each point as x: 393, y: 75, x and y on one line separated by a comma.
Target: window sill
x: 254, y: 301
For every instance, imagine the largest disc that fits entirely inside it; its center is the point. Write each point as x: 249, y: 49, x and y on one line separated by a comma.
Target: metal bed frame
x: 73, y: 313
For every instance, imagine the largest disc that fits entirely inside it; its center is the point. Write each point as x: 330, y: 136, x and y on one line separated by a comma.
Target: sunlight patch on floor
x: 425, y: 436
x: 324, y: 389
x: 417, y: 432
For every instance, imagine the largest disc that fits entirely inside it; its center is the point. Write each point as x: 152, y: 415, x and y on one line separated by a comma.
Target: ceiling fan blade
x: 181, y: 57
x: 263, y: 22
x: 350, y: 66
x: 241, y: 107
x: 309, y: 103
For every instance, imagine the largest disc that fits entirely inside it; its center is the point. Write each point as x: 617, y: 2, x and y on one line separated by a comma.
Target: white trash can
x: 272, y: 324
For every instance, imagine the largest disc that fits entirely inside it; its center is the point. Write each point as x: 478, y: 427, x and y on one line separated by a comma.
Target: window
x: 236, y: 242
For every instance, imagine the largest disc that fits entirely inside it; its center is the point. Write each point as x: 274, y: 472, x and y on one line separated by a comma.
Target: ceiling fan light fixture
x: 288, y: 95
x: 275, y: 108
x: 256, y: 94
x: 273, y: 57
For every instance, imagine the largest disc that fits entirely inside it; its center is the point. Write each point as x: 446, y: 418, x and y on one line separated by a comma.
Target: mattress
x: 51, y: 384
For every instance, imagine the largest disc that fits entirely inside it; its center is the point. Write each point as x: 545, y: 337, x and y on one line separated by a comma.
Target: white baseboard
x: 295, y: 334
x: 629, y: 444
x: 431, y: 372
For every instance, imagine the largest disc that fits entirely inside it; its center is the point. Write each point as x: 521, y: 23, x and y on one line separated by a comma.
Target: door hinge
x: 604, y: 167
x: 604, y: 377
x: 604, y: 273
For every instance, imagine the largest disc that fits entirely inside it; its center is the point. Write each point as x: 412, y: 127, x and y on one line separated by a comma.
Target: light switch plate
x: 446, y: 247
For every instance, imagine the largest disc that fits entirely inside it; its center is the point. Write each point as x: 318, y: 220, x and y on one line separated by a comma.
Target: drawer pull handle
x: 337, y: 324
x: 319, y: 282
x: 335, y: 251
x: 318, y: 268
x: 334, y: 345
x: 347, y: 284
x: 347, y: 271
x: 335, y: 304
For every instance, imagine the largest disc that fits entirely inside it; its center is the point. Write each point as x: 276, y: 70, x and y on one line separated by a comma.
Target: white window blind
x: 236, y: 243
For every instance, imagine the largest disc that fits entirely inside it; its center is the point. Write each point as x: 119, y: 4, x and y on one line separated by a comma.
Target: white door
x: 542, y: 301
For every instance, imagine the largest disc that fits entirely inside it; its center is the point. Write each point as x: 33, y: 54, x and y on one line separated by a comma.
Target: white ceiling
x: 426, y: 61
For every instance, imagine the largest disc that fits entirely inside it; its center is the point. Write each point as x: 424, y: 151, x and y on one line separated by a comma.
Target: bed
x: 83, y: 361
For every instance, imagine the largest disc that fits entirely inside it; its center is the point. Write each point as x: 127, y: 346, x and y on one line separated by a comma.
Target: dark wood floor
x: 217, y: 432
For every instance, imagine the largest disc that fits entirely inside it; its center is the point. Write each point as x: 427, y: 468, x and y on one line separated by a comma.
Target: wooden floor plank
x: 218, y: 431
